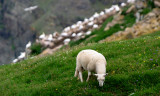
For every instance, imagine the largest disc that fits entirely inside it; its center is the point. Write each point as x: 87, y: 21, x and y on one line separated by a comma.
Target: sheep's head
x: 101, y: 78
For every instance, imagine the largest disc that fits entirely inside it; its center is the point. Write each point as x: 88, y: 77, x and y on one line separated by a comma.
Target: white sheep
x: 91, y: 61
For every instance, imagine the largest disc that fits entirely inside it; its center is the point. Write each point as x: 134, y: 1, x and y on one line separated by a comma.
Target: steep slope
x: 17, y: 27
x: 133, y: 68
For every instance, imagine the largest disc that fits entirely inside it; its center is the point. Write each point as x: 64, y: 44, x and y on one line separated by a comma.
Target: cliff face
x: 17, y: 27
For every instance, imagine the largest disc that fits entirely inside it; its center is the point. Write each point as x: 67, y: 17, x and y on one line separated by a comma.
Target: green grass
x: 133, y: 67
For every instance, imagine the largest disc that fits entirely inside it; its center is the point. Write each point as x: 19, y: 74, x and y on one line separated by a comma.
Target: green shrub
x: 36, y: 49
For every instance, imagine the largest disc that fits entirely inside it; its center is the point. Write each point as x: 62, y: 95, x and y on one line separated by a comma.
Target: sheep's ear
x: 95, y: 74
x: 105, y: 74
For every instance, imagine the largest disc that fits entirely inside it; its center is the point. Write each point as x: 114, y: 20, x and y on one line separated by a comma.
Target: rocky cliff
x: 15, y: 29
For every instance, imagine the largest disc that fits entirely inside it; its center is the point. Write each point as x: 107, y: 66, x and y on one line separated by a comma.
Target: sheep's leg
x: 89, y: 74
x: 80, y: 76
x: 76, y: 73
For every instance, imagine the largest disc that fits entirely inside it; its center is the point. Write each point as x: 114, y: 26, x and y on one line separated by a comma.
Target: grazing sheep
x: 91, y: 61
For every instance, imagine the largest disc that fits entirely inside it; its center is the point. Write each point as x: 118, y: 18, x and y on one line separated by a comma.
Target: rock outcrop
x: 117, y: 19
x: 157, y: 3
x: 149, y: 24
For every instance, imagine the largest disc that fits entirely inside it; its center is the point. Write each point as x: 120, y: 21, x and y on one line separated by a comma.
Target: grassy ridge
x: 133, y: 68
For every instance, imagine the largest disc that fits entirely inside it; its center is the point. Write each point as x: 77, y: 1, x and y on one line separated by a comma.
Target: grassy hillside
x: 133, y: 68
